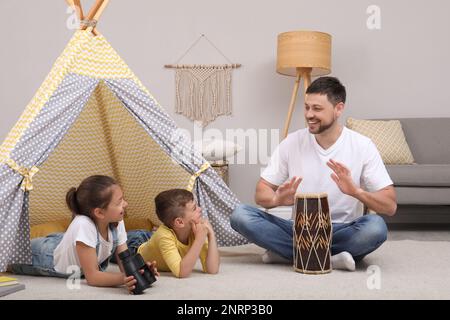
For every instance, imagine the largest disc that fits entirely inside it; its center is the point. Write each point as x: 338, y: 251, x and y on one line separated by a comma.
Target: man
x: 324, y: 157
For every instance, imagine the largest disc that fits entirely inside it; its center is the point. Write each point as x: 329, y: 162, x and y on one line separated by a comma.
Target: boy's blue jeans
x: 134, y: 239
x: 359, y: 237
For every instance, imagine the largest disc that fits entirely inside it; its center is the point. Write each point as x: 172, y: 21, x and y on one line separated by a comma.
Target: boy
x: 183, y: 237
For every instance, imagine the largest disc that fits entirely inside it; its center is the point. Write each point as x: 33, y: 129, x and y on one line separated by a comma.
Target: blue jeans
x: 134, y: 239
x: 42, y: 258
x: 359, y: 237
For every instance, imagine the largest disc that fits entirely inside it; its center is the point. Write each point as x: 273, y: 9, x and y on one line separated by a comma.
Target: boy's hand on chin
x: 199, y: 229
x: 208, y: 226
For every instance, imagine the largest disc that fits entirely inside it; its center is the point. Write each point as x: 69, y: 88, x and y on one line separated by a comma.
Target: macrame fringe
x: 203, y: 93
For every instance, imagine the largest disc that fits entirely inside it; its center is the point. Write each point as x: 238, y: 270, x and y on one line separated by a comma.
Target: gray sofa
x: 423, y: 188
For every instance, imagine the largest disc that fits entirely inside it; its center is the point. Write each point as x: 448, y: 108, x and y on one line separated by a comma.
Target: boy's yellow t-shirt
x: 165, y: 248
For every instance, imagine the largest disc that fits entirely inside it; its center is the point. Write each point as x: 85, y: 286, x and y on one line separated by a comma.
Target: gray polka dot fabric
x: 14, y: 226
x: 215, y: 198
x: 34, y: 147
x: 53, y: 121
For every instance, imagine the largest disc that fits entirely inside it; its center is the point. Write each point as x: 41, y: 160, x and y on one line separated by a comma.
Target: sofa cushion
x: 428, y: 139
x: 423, y: 196
x: 388, y: 136
x: 420, y: 175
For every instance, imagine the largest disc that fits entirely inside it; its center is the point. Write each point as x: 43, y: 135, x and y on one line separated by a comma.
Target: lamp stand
x: 304, y: 73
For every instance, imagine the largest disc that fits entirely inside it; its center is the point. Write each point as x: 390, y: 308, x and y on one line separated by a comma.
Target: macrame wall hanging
x: 203, y: 91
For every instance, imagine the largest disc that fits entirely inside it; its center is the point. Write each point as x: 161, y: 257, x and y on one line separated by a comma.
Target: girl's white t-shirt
x: 300, y: 155
x: 83, y: 229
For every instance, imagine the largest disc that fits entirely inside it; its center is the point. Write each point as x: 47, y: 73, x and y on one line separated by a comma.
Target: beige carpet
x: 409, y: 269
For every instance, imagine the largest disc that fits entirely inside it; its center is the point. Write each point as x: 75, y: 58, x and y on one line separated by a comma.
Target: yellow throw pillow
x: 44, y: 229
x: 388, y: 137
x: 138, y: 223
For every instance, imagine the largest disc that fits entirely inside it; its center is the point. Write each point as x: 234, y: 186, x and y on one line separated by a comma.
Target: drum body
x: 312, y: 233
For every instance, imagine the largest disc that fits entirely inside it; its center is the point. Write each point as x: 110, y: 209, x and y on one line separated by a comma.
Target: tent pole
x: 76, y: 5
x: 94, y: 9
x: 99, y: 13
x: 100, y: 10
x: 95, y: 13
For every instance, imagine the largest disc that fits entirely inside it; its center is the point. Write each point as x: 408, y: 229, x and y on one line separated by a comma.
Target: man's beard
x: 322, y: 127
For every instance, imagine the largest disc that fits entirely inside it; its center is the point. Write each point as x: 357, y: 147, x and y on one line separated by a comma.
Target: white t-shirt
x: 83, y: 229
x: 300, y: 155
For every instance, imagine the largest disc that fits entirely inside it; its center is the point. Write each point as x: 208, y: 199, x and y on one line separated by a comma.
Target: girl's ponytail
x: 93, y: 192
x: 72, y: 203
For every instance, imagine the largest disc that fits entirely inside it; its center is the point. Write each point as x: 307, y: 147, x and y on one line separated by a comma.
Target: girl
x: 96, y: 233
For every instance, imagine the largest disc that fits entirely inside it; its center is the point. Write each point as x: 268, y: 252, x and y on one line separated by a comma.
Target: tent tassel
x: 203, y: 168
x: 27, y: 183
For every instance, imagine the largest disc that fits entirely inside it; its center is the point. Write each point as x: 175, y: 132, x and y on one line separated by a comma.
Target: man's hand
x: 343, y: 178
x: 284, y: 195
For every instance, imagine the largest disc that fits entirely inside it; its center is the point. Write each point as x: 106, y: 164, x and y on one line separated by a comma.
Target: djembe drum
x: 312, y: 233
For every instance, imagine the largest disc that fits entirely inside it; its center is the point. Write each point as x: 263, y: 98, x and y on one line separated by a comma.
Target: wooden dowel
x: 76, y: 5
x: 95, y: 13
x: 179, y: 66
x: 101, y: 9
x: 79, y: 9
x: 94, y: 9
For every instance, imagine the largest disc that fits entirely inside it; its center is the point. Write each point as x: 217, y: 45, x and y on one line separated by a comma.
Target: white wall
x: 398, y: 71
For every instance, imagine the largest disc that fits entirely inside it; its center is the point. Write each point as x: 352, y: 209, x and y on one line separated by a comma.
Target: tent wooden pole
x: 79, y: 9
x: 95, y: 13
x: 76, y: 5
x: 100, y: 10
x: 94, y: 9
x: 99, y: 13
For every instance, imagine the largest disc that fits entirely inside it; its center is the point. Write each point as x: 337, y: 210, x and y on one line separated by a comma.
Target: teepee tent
x: 93, y: 116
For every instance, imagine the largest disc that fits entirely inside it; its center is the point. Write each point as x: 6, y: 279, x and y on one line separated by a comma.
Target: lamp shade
x: 304, y: 49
